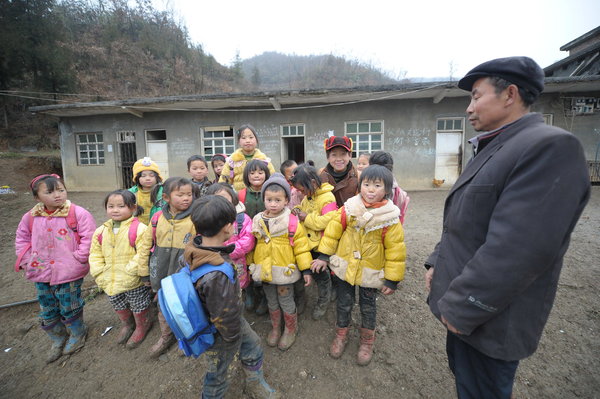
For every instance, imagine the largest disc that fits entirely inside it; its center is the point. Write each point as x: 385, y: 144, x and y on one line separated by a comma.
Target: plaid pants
x: 60, y: 300
x: 137, y: 299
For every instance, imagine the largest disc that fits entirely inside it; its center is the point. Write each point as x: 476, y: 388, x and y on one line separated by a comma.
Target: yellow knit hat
x: 145, y: 164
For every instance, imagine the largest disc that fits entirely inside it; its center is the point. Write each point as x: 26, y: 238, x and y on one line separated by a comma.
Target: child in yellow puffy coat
x: 233, y: 171
x: 364, y: 244
x: 315, y: 211
x: 281, y: 257
x: 116, y: 264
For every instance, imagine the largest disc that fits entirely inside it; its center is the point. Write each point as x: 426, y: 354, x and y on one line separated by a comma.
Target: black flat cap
x: 522, y: 71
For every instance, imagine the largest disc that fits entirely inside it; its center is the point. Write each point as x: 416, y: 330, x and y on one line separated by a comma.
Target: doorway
x: 293, y: 148
x: 157, y: 150
x: 127, y: 155
x: 448, y: 150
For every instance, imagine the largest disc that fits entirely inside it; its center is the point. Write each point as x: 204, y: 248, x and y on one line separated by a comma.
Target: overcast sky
x: 420, y: 38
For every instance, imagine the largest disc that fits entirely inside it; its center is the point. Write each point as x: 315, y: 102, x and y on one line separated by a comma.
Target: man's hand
x: 449, y: 326
x: 317, y: 266
x: 428, y: 278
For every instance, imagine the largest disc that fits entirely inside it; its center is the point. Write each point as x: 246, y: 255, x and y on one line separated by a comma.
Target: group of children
x: 340, y: 227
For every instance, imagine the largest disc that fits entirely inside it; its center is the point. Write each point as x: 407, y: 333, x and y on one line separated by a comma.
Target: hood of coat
x: 238, y: 155
x: 278, y: 226
x: 40, y: 210
x: 371, y: 219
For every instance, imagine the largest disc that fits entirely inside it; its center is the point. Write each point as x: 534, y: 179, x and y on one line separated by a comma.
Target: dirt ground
x: 409, y: 359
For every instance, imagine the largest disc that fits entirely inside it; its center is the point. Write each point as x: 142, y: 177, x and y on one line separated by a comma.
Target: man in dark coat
x: 507, y: 224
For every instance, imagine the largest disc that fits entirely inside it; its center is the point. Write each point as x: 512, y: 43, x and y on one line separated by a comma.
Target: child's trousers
x: 137, y: 299
x: 280, y: 296
x: 345, y: 302
x: 60, y: 300
x: 222, y: 353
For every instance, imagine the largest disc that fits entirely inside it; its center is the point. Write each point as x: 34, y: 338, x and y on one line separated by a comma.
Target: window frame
x: 355, y: 136
x: 204, y: 140
x: 453, y: 129
x: 99, y: 147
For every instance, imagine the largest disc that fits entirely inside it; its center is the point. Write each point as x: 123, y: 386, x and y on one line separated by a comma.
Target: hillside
x: 272, y: 71
x: 67, y: 51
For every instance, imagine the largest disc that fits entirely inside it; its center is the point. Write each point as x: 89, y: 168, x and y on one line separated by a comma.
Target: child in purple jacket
x: 53, y: 245
x: 242, y: 236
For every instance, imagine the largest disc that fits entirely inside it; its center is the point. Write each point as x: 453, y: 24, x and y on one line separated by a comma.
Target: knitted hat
x: 278, y: 179
x: 336, y: 141
x: 145, y: 164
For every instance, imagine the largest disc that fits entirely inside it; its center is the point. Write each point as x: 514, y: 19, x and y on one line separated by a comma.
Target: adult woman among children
x: 233, y: 171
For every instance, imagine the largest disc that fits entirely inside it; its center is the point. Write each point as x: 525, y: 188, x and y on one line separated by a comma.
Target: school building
x: 423, y: 125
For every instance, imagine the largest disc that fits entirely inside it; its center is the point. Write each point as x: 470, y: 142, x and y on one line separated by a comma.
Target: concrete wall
x: 409, y: 134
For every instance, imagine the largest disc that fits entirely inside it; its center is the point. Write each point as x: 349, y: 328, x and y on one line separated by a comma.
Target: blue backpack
x: 183, y: 310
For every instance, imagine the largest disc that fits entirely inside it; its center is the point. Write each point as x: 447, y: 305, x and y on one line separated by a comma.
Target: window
x: 448, y: 125
x: 90, y: 148
x: 156, y: 135
x: 366, y: 136
x: 217, y: 140
x: 296, y: 130
x: 548, y: 119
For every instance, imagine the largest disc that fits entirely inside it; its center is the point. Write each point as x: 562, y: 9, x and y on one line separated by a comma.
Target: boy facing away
x: 214, y: 219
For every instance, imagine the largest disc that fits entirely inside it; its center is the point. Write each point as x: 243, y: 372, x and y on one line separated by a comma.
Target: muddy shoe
x: 365, y: 350
x: 289, y: 332
x: 58, y: 334
x: 339, y: 342
x: 275, y: 333
x: 77, y: 333
x: 127, y: 325
x: 143, y: 324
x: 256, y: 386
x: 166, y: 338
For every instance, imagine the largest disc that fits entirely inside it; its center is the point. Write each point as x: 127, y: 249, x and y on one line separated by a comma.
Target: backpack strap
x: 343, y: 218
x: 133, y: 228
x: 199, y: 272
x: 332, y: 206
x: 72, y: 222
x: 242, y: 195
x: 100, y: 237
x: 292, y: 227
x: 132, y: 233
x: 239, y: 218
x: 154, y: 223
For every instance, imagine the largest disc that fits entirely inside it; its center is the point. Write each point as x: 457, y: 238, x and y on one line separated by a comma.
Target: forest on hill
x: 79, y: 50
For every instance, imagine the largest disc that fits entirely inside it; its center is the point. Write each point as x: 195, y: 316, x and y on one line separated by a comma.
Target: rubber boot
x: 275, y: 333
x: 365, y: 350
x: 256, y: 386
x: 77, y: 333
x: 127, y: 326
x: 143, y: 324
x: 339, y: 342
x: 58, y: 334
x: 166, y: 338
x: 249, y: 298
x: 320, y: 308
x: 261, y: 301
x: 289, y: 333
x: 300, y: 296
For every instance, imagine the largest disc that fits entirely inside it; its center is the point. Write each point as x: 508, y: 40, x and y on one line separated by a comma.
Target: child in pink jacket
x: 53, y: 244
x: 242, y: 236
